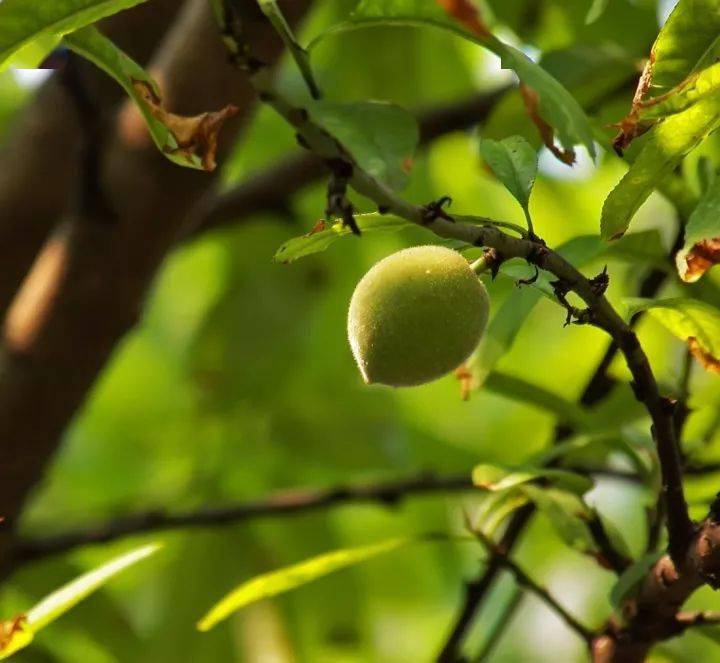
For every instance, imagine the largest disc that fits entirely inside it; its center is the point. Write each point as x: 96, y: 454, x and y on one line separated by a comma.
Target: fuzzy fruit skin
x: 415, y: 316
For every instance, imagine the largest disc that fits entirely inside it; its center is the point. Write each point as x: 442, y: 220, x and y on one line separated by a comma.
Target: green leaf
x: 298, y: 53
x: 567, y: 513
x: 597, y: 9
x: 187, y: 141
x: 499, y: 478
x: 607, y: 442
x: 556, y: 105
x: 514, y: 162
x: 23, y: 629
x: 701, y: 249
x: 24, y: 21
x: 628, y: 582
x: 667, y: 144
x: 690, y: 320
x: 290, y: 577
x: 705, y: 83
x: 324, y: 235
x: 500, y: 334
x: 689, y: 41
x: 381, y: 137
x: 506, y: 322
x: 521, y: 390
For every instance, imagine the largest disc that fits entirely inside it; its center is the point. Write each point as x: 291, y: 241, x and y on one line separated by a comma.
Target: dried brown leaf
x: 195, y: 135
x: 701, y: 257
x: 710, y: 362
x: 9, y: 628
x: 317, y: 228
x: 547, y: 133
x: 630, y: 127
x: 467, y: 14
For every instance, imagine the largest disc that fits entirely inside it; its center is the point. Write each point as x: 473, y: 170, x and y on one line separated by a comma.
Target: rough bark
x: 95, y: 272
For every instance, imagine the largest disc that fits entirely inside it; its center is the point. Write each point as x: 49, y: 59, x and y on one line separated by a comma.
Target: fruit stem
x: 480, y: 265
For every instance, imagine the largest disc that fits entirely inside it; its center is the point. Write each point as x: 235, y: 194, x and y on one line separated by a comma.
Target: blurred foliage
x: 239, y: 381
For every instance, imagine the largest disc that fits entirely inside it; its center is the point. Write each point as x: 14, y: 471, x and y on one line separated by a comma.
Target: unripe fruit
x: 415, y: 316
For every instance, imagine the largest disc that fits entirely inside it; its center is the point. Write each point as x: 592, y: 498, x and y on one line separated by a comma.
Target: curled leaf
x: 702, y: 236
x: 196, y: 135
x: 188, y: 141
x: 710, y: 362
x: 701, y: 257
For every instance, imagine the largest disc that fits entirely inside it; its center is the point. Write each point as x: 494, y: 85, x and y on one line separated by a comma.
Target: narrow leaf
x: 187, y: 141
x: 524, y: 391
x: 689, y: 41
x: 692, y: 321
x: 702, y: 236
x: 555, y: 104
x: 686, y: 44
x: 24, y: 21
x: 499, y: 478
x: 597, y: 9
x: 667, y: 144
x: 18, y: 633
x: 290, y: 577
x: 381, y: 137
x: 325, y: 234
x: 514, y: 162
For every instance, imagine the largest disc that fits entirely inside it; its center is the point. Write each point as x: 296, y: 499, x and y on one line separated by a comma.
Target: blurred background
x: 239, y: 382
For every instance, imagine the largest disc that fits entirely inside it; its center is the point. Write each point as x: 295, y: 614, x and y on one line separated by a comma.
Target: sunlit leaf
x: 381, y: 137
x: 187, y: 141
x: 18, y: 633
x: 689, y: 41
x: 702, y: 236
x: 514, y: 162
x: 325, y: 234
x: 666, y: 145
x: 500, y: 478
x: 690, y: 320
x: 23, y: 21
x: 556, y: 105
x: 290, y: 577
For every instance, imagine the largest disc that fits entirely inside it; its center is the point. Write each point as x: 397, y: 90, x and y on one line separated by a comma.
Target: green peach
x: 415, y: 316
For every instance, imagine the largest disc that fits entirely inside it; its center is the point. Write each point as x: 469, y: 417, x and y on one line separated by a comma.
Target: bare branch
x: 524, y: 580
x: 282, y: 503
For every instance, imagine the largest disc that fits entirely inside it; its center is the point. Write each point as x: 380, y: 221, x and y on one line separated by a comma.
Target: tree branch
x: 42, y: 147
x: 96, y: 274
x: 270, y: 189
x: 599, y: 312
x: 524, y: 580
x: 282, y: 503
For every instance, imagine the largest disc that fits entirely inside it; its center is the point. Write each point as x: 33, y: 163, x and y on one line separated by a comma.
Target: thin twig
x: 524, y: 580
x: 280, y: 504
